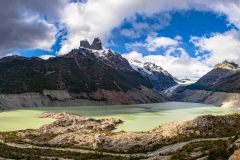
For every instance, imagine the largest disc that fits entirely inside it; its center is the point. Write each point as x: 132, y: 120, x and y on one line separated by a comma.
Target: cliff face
x: 221, y: 99
x: 86, y: 73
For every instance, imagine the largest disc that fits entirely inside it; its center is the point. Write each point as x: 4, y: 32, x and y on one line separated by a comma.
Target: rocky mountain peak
x: 227, y: 65
x: 155, y: 68
x: 158, y: 77
x: 96, y: 44
x: 152, y: 66
x: 84, y: 44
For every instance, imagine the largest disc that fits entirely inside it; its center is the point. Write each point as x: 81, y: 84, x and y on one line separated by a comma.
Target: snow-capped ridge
x: 147, y: 67
x: 155, y: 68
x: 139, y: 66
x: 159, y: 78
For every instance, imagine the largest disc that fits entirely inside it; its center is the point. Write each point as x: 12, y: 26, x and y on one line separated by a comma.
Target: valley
x: 71, y: 134
x: 119, y: 80
x: 94, y: 103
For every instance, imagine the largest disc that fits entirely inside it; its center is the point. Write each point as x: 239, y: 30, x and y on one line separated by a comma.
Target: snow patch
x: 139, y: 66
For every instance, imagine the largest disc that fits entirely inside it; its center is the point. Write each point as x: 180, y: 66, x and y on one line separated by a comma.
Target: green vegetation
x: 10, y: 137
x: 17, y: 153
x: 41, y: 138
x: 214, y: 150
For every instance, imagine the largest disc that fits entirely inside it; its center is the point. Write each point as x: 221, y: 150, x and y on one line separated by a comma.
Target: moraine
x: 139, y: 117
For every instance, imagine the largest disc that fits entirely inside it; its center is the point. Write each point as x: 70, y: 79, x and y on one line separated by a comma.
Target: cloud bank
x: 33, y: 21
x: 23, y: 25
x: 219, y: 47
x: 99, y: 17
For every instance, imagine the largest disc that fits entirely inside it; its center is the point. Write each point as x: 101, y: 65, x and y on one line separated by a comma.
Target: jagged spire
x: 84, y: 44
x: 97, y: 44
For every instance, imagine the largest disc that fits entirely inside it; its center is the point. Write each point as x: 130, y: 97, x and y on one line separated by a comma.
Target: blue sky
x: 184, y: 24
x: 185, y: 37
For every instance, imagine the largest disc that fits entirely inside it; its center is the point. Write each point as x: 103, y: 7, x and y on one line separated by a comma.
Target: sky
x: 185, y: 37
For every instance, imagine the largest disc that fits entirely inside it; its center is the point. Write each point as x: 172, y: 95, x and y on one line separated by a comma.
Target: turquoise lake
x: 139, y: 117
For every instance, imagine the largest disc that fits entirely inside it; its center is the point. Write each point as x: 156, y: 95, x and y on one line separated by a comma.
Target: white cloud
x: 99, y: 17
x: 90, y: 19
x: 153, y: 42
x: 220, y: 47
x: 211, y: 50
x: 23, y: 26
x: 138, y: 29
x: 131, y: 33
x: 181, y: 66
x: 230, y: 8
x: 135, y: 46
x: 46, y: 56
x: 134, y: 55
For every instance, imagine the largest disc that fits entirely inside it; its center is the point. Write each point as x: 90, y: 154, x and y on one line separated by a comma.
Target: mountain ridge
x: 94, y: 74
x: 220, y: 72
x: 220, y: 87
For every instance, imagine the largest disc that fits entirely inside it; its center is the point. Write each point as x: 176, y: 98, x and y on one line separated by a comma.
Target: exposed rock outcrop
x: 64, y: 98
x: 235, y: 155
x: 84, y: 44
x: 8, y: 101
x: 221, y: 99
x: 66, y: 122
x: 97, y: 44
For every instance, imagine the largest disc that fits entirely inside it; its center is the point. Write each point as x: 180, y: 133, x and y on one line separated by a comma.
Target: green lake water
x: 140, y: 117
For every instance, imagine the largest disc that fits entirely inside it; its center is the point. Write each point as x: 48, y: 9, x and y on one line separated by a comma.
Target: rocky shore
x: 96, y: 134
x: 176, y: 139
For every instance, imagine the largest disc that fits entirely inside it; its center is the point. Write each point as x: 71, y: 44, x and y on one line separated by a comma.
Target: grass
x: 213, y: 150
x: 17, y: 153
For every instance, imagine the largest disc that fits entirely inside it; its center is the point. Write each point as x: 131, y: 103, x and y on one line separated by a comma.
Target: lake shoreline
x: 78, y: 132
x: 152, y: 115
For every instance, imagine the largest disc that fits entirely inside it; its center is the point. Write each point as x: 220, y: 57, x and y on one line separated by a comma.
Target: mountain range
x: 87, y: 75
x: 224, y: 77
x: 92, y: 75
